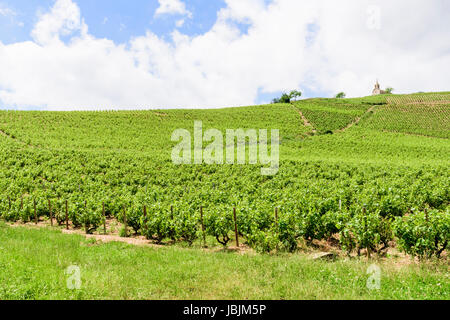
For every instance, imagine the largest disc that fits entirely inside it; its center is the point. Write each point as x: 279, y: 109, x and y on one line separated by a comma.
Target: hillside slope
x: 123, y: 159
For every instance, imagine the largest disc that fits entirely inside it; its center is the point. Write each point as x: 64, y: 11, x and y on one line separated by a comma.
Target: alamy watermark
x: 74, y: 277
x: 374, y: 280
x: 373, y: 21
x: 234, y: 150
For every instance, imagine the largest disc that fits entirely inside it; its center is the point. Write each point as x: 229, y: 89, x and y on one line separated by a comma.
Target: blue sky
x: 214, y: 53
x: 118, y: 20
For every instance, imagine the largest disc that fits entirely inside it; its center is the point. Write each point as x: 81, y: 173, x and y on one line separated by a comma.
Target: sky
x: 146, y: 54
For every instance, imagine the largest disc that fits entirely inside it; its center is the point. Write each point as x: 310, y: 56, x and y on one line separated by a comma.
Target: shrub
x: 4, y: 208
x: 263, y: 241
x: 134, y: 214
x: 90, y: 217
x: 287, y: 97
x: 218, y: 224
x: 252, y: 219
x: 59, y: 211
x: 76, y: 211
x: 286, y: 232
x: 158, y: 225
x: 366, y: 230
x: 27, y: 212
x: 423, y: 234
x: 186, y: 226
x: 309, y: 225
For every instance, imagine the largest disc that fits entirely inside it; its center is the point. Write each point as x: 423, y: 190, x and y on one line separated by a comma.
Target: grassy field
x: 33, y: 264
x: 350, y: 179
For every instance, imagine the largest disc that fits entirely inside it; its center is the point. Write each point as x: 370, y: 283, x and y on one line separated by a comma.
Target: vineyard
x: 416, y: 114
x: 374, y: 174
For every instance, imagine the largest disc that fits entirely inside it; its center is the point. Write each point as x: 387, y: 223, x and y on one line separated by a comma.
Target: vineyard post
x: 67, y: 216
x: 86, y: 226
x: 426, y: 215
x: 235, y: 228
x: 365, y: 230
x: 125, y: 220
x: 21, y: 203
x: 104, y: 218
x: 203, y: 227
x: 276, y: 216
x: 171, y: 212
x: 35, y: 212
x: 9, y: 201
x: 51, y: 214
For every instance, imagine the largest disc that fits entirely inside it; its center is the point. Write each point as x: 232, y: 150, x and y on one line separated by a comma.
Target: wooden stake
x: 276, y: 216
x: 85, y: 224
x: 9, y: 201
x: 51, y: 214
x: 35, y: 212
x: 21, y: 203
x: 203, y: 226
x: 235, y: 228
x: 104, y: 218
x: 125, y: 221
x: 365, y: 230
x: 67, y: 216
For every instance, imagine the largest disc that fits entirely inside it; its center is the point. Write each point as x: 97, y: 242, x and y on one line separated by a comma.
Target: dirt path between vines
x: 356, y: 121
x: 105, y: 238
x: 306, y: 122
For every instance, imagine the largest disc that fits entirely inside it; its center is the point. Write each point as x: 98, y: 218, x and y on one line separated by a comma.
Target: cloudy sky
x: 105, y: 54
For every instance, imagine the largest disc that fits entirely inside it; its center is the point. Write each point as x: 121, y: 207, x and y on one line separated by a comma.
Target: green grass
x: 33, y: 264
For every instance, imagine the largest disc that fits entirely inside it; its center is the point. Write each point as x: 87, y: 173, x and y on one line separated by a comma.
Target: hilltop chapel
x: 377, y: 89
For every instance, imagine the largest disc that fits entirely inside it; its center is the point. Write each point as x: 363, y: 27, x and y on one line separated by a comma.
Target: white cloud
x: 224, y: 67
x: 6, y: 11
x: 172, y: 7
x: 179, y: 23
x: 63, y: 19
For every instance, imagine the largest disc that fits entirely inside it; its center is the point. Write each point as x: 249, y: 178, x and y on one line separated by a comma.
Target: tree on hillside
x: 287, y: 98
x: 389, y: 90
x: 340, y: 95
